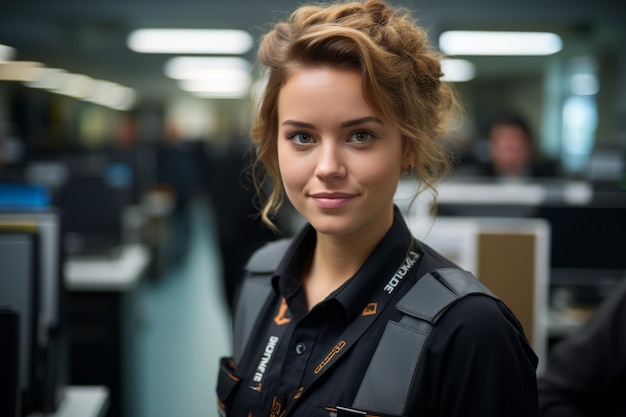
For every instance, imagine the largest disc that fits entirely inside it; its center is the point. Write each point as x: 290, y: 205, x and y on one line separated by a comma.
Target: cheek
x: 292, y: 171
x: 383, y: 171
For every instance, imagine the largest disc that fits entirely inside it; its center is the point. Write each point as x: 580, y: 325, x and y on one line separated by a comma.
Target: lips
x: 329, y: 200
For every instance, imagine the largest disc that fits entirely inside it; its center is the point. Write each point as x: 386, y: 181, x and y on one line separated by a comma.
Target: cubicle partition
x: 18, y: 290
x: 509, y: 255
x: 32, y: 286
x: 552, y: 250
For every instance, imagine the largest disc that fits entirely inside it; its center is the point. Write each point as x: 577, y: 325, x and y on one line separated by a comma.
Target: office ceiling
x: 89, y: 37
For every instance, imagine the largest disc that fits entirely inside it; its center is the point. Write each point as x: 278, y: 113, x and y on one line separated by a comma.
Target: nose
x: 330, y: 164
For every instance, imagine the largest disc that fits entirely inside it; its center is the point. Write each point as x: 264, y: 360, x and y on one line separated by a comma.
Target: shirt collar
x: 374, y: 273
x: 379, y: 267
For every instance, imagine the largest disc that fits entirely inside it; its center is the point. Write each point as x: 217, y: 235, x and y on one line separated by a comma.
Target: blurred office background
x: 125, y: 218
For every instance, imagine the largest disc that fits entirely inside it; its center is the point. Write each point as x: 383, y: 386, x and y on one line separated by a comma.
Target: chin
x: 331, y: 227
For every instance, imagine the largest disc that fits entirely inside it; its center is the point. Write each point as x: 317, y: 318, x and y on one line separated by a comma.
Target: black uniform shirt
x: 294, y: 346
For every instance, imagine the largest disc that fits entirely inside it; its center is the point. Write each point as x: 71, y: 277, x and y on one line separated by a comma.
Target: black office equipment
x: 91, y: 211
x: 588, y: 237
x: 10, y: 397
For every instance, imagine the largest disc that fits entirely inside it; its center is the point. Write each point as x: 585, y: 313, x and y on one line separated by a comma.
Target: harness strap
x: 255, y: 294
x: 400, y: 350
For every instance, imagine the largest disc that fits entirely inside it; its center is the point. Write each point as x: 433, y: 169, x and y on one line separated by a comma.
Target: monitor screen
x: 590, y: 237
x: 91, y: 213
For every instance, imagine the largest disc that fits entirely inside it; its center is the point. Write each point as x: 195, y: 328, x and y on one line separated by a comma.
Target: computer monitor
x: 92, y: 215
x: 586, y: 237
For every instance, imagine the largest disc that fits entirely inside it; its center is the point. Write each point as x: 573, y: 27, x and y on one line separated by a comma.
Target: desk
x: 120, y: 273
x: 102, y: 297
x: 81, y: 401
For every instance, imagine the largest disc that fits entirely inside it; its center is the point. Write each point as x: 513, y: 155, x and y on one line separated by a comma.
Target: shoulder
x: 480, y: 314
x: 479, y: 325
x: 479, y: 361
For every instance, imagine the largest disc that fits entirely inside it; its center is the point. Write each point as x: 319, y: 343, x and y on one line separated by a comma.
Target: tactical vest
x: 399, y: 352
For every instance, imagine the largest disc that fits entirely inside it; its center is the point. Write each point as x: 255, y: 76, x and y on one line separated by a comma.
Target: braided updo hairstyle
x: 401, y: 75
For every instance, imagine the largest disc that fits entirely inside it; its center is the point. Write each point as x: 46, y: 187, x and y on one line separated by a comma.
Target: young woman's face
x: 340, y: 162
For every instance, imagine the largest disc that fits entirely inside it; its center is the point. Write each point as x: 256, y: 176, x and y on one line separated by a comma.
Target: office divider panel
x: 46, y: 346
x: 509, y: 255
x: 18, y: 292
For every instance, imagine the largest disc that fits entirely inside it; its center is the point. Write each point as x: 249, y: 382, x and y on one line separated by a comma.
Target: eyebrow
x: 348, y: 123
x: 295, y: 123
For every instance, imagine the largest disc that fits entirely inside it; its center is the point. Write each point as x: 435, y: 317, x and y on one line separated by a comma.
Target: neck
x: 335, y: 260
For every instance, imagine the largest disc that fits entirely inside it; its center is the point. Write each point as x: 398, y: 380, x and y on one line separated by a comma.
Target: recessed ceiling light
x: 460, y: 42
x: 190, y: 41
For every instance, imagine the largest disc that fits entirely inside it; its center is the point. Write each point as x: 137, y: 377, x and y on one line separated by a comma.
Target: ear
x: 408, y: 155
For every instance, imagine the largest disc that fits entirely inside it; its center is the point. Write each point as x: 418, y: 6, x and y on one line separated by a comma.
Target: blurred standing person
x: 586, y: 373
x: 176, y: 169
x: 354, y: 100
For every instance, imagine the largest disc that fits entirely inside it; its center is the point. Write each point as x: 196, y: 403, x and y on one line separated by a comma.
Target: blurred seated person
x: 511, y: 151
x: 586, y: 372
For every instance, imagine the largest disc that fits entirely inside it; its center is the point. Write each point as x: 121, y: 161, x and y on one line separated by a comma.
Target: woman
x: 353, y: 102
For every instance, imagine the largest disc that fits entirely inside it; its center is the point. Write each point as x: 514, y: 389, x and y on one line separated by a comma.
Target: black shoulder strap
x: 255, y: 292
x: 399, y: 352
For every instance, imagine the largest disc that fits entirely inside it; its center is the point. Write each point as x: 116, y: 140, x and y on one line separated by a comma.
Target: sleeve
x: 481, y: 362
x: 586, y: 373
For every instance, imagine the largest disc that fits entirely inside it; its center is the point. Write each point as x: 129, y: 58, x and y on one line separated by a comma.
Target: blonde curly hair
x: 401, y: 75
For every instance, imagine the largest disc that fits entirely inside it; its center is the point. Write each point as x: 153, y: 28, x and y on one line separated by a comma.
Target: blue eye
x: 300, y: 138
x: 361, y: 136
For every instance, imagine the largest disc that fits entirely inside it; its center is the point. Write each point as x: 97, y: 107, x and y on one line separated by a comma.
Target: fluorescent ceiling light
x: 457, y: 70
x: 104, y: 93
x: 46, y: 78
x: 77, y: 86
x: 211, y: 77
x: 191, y: 41
x: 62, y: 82
x: 221, y: 95
x: 18, y: 70
x: 221, y: 83
x: 6, y: 53
x: 112, y: 95
x: 217, y: 88
x: 499, y: 43
x: 187, y: 68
